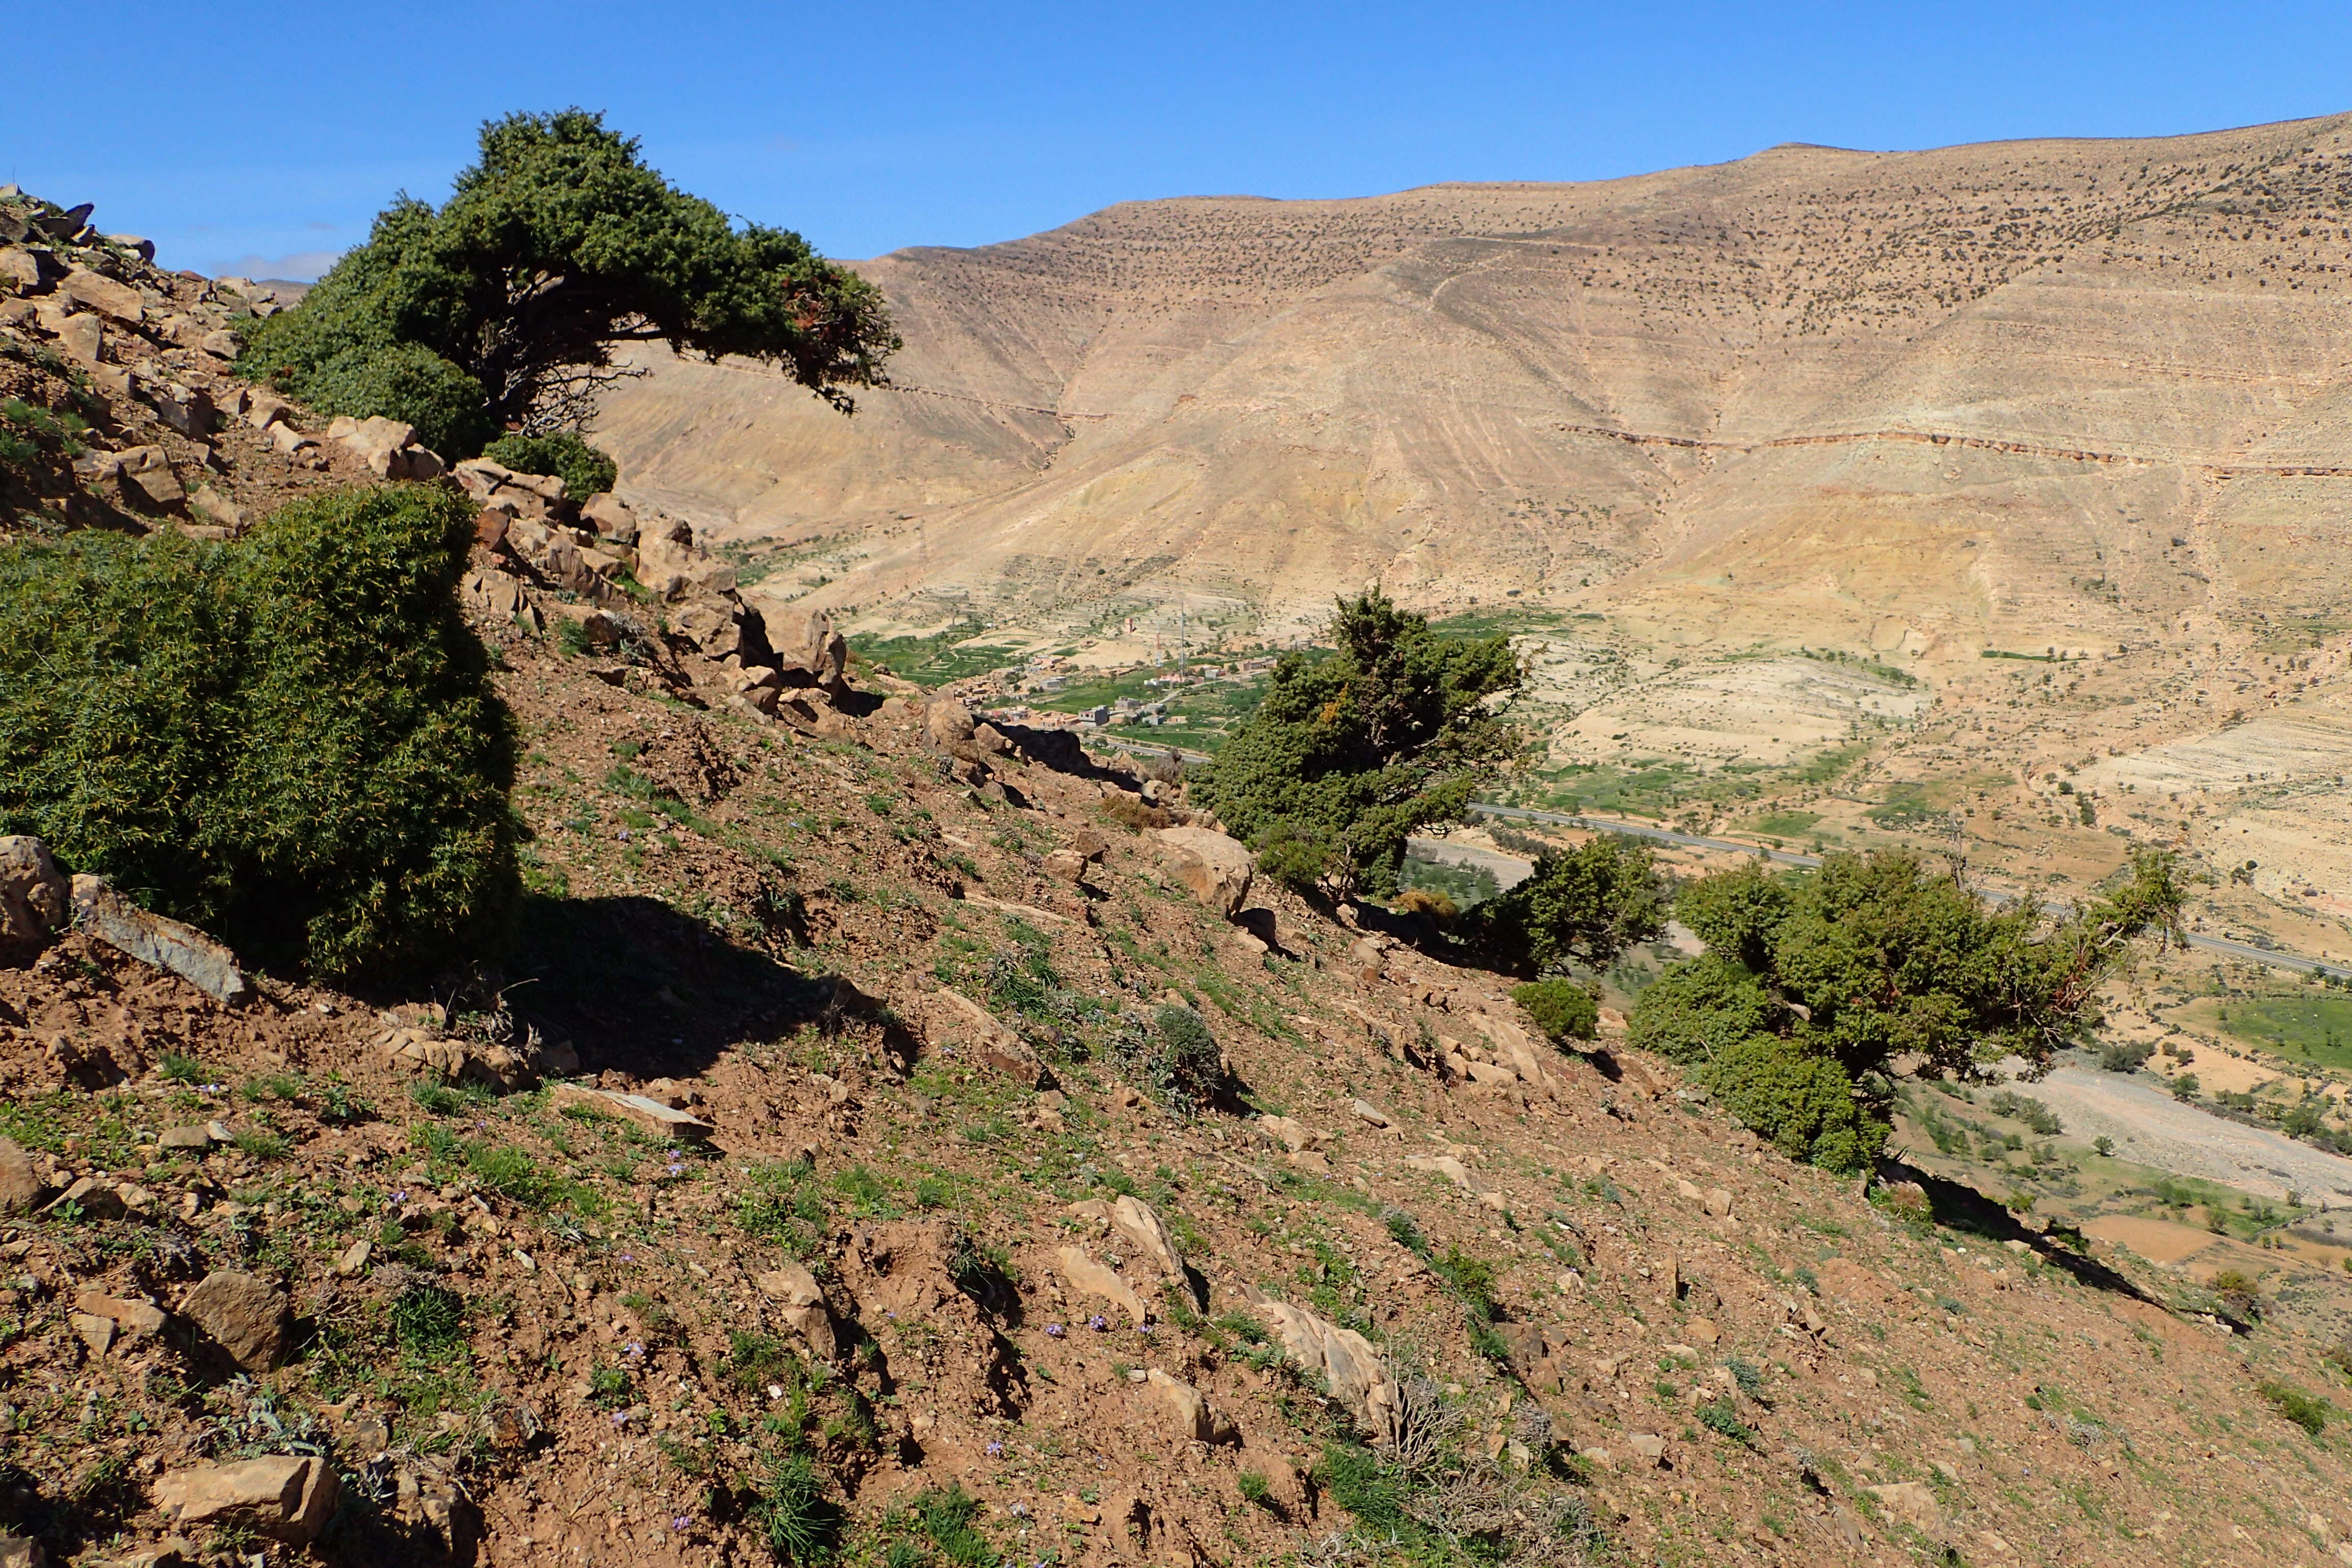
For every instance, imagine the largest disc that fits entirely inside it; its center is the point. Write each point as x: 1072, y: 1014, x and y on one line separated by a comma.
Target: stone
x: 353, y: 1261
x: 1719, y: 1202
x: 1703, y: 1331
x: 166, y: 944
x: 1088, y: 1278
x: 157, y: 483
x: 998, y: 1048
x: 801, y: 1304
x: 20, y: 1182
x: 819, y: 651
x: 82, y: 337
x: 35, y: 900
x: 94, y: 1196
x: 1357, y: 1375
x: 1066, y: 865
x: 140, y: 1319
x: 1650, y: 1445
x: 662, y: 1121
x: 611, y: 517
x: 244, y: 1314
x: 1292, y: 1134
x: 95, y: 1332
x: 1212, y: 866
x: 948, y: 723
x: 1143, y: 1229
x: 117, y: 302
x: 288, y: 1497
x: 20, y: 268
x: 289, y: 440
x: 1369, y: 1114
x: 206, y: 501
x: 1912, y: 1503
x: 375, y: 441
x: 263, y: 409
x: 221, y: 343
x: 184, y: 409
x: 21, y: 1551
x: 1197, y: 1421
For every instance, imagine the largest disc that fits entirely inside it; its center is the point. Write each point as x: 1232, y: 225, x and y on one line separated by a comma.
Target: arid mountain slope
x: 1712, y: 399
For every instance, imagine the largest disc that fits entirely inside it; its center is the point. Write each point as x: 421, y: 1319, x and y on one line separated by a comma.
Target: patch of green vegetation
x: 2304, y: 1022
x: 781, y: 1203
x: 1784, y: 823
x: 956, y: 654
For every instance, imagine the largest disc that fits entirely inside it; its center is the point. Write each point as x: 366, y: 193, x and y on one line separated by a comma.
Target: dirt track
x: 2152, y: 1128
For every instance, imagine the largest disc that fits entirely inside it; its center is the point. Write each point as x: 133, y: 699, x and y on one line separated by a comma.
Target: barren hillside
x: 2042, y: 398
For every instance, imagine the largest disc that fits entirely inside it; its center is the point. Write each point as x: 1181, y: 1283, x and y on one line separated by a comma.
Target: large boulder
x: 1088, y: 1278
x: 35, y: 900
x: 21, y: 1187
x: 815, y: 649
x: 244, y: 1315
x: 611, y: 517
x: 1214, y: 868
x: 118, y: 302
x: 287, y: 1496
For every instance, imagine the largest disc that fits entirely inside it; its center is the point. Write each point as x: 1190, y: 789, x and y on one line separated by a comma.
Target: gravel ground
x: 2152, y: 1128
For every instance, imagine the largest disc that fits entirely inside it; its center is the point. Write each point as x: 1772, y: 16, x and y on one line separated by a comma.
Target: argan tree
x: 1353, y: 752
x: 501, y: 310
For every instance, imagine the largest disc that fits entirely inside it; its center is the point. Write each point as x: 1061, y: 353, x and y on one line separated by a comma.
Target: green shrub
x: 1804, y: 1103
x: 1176, y: 1061
x: 1721, y: 1416
x: 406, y: 382
x: 1562, y: 1009
x: 1351, y: 754
x: 947, y: 1516
x: 1254, y: 1487
x: 428, y: 1321
x: 2305, y: 1411
x: 1814, y: 988
x: 1585, y: 905
x: 290, y: 740
x: 584, y: 470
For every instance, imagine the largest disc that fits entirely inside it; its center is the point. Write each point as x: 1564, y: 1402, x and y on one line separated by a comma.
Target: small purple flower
x: 1098, y: 1323
x: 620, y: 1418
x: 628, y: 1257
x: 635, y: 1351
x: 1019, y: 1510
x: 398, y: 1197
x: 996, y: 1450
x: 1054, y: 1331
x: 1143, y: 1328
x: 681, y: 1523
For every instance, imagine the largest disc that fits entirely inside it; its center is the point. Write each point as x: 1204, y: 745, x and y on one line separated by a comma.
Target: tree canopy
x: 501, y: 309
x: 1581, y: 906
x: 1814, y: 990
x: 1353, y: 751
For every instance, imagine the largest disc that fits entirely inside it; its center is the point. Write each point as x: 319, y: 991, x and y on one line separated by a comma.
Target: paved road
x: 2245, y: 952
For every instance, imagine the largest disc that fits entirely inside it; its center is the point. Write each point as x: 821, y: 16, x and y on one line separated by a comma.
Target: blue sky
x: 262, y: 139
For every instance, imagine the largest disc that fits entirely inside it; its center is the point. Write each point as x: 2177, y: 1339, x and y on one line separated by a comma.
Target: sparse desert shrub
x: 1176, y: 1059
x: 1562, y: 1009
x: 583, y: 469
x: 2237, y: 1293
x: 290, y: 740
x: 2305, y: 1410
x: 428, y: 1321
x: 2125, y: 1056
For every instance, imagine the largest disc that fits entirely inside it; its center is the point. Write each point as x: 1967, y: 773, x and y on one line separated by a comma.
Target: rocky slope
x: 822, y: 1146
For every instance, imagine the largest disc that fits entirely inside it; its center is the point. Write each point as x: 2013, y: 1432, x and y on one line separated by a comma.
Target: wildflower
x: 1054, y: 1331
x: 620, y: 1418
x: 1098, y: 1323
x: 995, y: 1451
x: 681, y: 1523
x: 634, y: 1350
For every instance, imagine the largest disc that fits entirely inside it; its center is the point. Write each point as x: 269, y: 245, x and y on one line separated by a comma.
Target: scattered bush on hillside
x: 1175, y: 1059
x: 1560, y: 1008
x: 1813, y: 987
x: 1581, y: 906
x: 584, y: 470
x: 1349, y: 755
x: 501, y: 309
x: 2125, y: 1056
x: 290, y: 740
x: 2305, y: 1410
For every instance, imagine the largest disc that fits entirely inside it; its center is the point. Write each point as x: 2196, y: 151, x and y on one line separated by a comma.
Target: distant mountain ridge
x: 1911, y: 399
